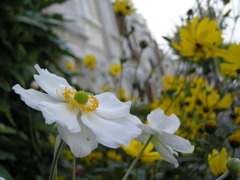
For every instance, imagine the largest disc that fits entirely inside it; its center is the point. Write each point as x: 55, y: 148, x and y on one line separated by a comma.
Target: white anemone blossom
x: 83, y: 120
x: 162, y: 127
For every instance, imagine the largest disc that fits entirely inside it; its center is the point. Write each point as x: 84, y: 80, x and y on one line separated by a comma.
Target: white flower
x: 162, y: 128
x: 1, y: 178
x: 82, y: 120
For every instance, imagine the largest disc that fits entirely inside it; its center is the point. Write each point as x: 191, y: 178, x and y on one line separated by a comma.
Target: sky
x: 163, y: 15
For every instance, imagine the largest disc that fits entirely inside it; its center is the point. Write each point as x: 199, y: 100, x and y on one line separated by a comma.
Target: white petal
x: 142, y: 138
x: 134, y: 119
x: 164, y: 151
x: 49, y: 82
x: 177, y: 143
x: 159, y: 121
x: 148, y: 130
x: 108, y: 133
x: 131, y: 127
x: 61, y: 113
x: 32, y: 97
x: 81, y: 143
x: 110, y: 107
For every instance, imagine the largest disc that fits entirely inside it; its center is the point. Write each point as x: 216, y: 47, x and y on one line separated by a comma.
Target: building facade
x: 93, y: 28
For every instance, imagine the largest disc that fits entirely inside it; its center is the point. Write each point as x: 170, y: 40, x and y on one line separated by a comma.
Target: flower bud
x: 233, y: 166
x: 143, y: 44
x: 234, y: 140
x: 34, y: 85
x: 210, y: 126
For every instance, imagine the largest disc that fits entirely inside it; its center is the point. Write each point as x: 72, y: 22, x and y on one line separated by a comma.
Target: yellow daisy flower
x: 234, y: 139
x: 70, y: 66
x: 217, y: 161
x: 232, y: 57
x: 237, y: 116
x: 93, y: 158
x: 148, y: 157
x: 228, y: 69
x: 122, y: 96
x: 68, y: 154
x: 90, y: 61
x: 115, y: 69
x: 123, y: 7
x: 199, y: 40
x: 112, y: 154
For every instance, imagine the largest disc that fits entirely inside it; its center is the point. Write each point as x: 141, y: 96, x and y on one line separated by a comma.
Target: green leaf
x: 5, y: 85
x: 183, y: 159
x: 227, y: 13
x: 17, y: 76
x: 76, y: 75
x: 139, y: 174
x: 31, y: 21
x: 6, y: 129
x: 21, y: 49
x: 4, y: 107
x: 4, y: 173
x: 6, y: 155
x: 226, y: 1
x: 123, y: 61
x: 167, y: 39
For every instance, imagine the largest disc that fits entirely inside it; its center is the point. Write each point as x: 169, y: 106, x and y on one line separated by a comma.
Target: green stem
x: 136, y: 159
x: 136, y: 69
x: 223, y: 176
x: 55, y: 159
x: 73, y: 168
x: 233, y: 152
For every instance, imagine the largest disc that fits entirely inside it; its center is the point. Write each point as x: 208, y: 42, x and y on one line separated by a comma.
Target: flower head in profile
x: 217, y: 161
x: 115, y: 69
x: 90, y: 61
x: 162, y: 127
x: 232, y: 58
x: 123, y: 7
x: 228, y: 70
x: 83, y: 120
x: 234, y: 139
x: 199, y: 40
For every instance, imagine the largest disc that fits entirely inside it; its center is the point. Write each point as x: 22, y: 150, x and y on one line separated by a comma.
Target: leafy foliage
x: 26, y: 38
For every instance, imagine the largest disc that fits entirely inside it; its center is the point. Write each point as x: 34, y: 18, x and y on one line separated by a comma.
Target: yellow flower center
x: 80, y: 99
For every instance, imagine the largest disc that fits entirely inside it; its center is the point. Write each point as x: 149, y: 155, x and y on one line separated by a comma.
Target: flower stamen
x: 91, y: 105
x: 80, y: 100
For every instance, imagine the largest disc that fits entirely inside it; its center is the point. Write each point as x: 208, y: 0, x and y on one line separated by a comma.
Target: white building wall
x: 92, y: 29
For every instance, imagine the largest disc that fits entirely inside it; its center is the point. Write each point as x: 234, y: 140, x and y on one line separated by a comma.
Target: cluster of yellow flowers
x: 193, y: 101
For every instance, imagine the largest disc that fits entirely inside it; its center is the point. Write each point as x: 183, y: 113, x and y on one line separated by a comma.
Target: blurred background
x: 99, y: 47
